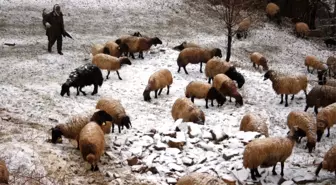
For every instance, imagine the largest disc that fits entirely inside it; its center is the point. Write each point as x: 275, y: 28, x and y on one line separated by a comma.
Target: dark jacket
x: 56, y: 22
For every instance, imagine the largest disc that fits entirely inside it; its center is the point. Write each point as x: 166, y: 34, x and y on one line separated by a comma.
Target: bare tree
x: 230, y: 13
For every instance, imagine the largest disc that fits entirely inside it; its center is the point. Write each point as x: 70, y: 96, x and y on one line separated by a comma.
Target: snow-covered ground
x: 31, y: 81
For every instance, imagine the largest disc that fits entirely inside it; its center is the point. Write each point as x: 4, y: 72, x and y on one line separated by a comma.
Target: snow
x: 31, y: 78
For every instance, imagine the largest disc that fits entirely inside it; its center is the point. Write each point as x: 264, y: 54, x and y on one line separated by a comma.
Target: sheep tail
x: 91, y: 158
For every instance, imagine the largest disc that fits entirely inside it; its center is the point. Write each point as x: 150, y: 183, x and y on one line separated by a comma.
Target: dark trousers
x: 52, y: 40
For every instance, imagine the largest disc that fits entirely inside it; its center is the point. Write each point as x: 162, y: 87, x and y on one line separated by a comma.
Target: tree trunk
x: 228, y: 51
x: 312, y: 15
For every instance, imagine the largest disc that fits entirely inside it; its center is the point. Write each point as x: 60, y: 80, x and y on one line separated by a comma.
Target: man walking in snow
x: 53, y: 23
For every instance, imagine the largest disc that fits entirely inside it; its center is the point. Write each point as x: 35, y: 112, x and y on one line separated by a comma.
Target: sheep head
x: 156, y: 41
x: 101, y: 116
x: 269, y: 74
x: 125, y: 121
x: 321, y: 75
x: 65, y: 89
x: 236, y: 76
x: 217, y: 52
x: 123, y: 47
x: 125, y: 60
x: 56, y: 135
x: 137, y: 34
x: 181, y: 46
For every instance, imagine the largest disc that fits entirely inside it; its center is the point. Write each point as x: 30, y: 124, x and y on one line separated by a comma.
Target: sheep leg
x: 312, y: 71
x: 230, y: 99
x: 168, y: 89
x: 112, y: 128
x: 292, y: 97
x: 252, y: 174
x: 80, y: 89
x: 118, y: 75
x: 328, y: 132
x: 192, y: 99
x: 315, y: 110
x: 273, y: 171
x: 206, y: 103
x: 282, y: 168
x: 96, y: 168
x: 77, y: 144
x: 119, y: 128
x: 308, y: 69
x: 286, y: 97
x: 132, y: 55
x: 156, y: 91
x: 209, y: 81
x: 306, y: 108
x: 77, y: 91
x: 201, y: 67
x: 212, y: 102
x: 319, y: 168
x: 257, y: 172
x: 160, y: 91
x: 108, y: 73
x: 179, y: 69
x: 281, y: 99
x: 254, y: 65
x: 95, y: 90
x: 141, y: 53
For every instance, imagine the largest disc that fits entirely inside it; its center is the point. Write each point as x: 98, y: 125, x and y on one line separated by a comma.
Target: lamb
x: 305, y: 124
x: 113, y: 49
x: 330, y: 42
x: 331, y: 63
x: 92, y: 144
x: 73, y: 127
x: 267, y: 152
x: 287, y: 84
x: 273, y: 12
x: 227, y: 87
x: 97, y: 48
x: 328, y: 162
x: 320, y: 96
x: 326, y: 118
x: 243, y: 27
x: 87, y: 74
x: 110, y: 63
x: 254, y: 123
x: 321, y: 75
x: 199, y: 179
x: 258, y: 59
x: 203, y: 90
x: 156, y: 82
x: 116, y: 110
x: 138, y: 44
x: 301, y: 29
x: 195, y: 56
x: 4, y: 174
x: 312, y: 61
x: 184, y: 109
x: 186, y: 44
x: 216, y: 66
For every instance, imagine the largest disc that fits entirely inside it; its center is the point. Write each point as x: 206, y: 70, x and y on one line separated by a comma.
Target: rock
x: 157, y: 138
x: 228, y: 179
x: 205, y: 146
x: 207, y: 135
x: 109, y: 174
x: 194, y: 140
x: 116, y: 175
x: 288, y: 183
x: 305, y: 179
x: 139, y: 168
x: 6, y: 118
x: 149, y: 159
x: 91, y: 180
x: 153, y: 170
x: 181, y: 126
x: 119, y: 142
x: 202, y: 159
x: 175, y: 167
x: 246, y: 137
x: 228, y: 154
x: 111, y: 155
x: 218, y: 134
x: 160, y: 146
x: 194, y: 130
x: 187, y: 161
x: 136, y: 150
x: 172, y: 151
x: 175, y: 143
x: 181, y: 136
x: 169, y: 133
x: 132, y: 161
x: 153, y: 131
x: 242, y: 175
x: 171, y: 180
x: 147, y: 141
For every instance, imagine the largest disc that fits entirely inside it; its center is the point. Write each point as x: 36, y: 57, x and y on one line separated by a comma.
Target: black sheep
x: 87, y: 74
x: 236, y: 76
x: 330, y: 42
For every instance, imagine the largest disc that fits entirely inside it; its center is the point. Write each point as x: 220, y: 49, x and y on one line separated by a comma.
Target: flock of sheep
x: 89, y: 130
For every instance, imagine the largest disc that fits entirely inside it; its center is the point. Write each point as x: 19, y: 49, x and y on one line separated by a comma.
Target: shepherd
x: 54, y: 25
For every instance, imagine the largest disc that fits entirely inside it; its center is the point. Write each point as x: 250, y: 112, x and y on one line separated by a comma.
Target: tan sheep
x: 97, y: 48
x: 243, y: 27
x: 110, y: 63
x: 203, y: 90
x: 315, y: 63
x: 301, y: 29
x: 156, y: 82
x: 259, y: 60
x: 195, y: 56
x: 184, y: 109
x: 227, y: 87
x: 306, y: 126
x: 331, y: 63
x: 267, y: 152
x: 254, y: 123
x: 326, y: 118
x: 329, y: 162
x: 199, y: 179
x: 113, y: 49
x: 273, y: 11
x: 116, y: 110
x: 73, y: 127
x: 287, y: 84
x: 4, y: 174
x: 92, y: 144
x: 216, y: 66
x: 138, y: 44
x: 186, y: 44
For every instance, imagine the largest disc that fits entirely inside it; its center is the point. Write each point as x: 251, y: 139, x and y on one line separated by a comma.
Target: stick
x: 10, y: 44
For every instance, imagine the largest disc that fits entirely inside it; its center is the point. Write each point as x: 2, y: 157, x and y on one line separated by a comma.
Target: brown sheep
x: 4, y: 174
x: 329, y: 162
x: 110, y: 63
x: 97, y: 48
x: 312, y: 61
x: 116, y: 110
x: 73, y: 127
x: 186, y: 44
x: 320, y: 96
x: 199, y: 179
x: 254, y: 123
x: 156, y: 82
x: 203, y: 90
x: 195, y: 56
x: 287, y: 84
x: 258, y: 59
x: 267, y: 152
x: 184, y: 109
x: 243, y: 27
x: 273, y: 11
x: 92, y: 144
x: 227, y: 87
x: 113, y: 49
x: 306, y: 126
x: 326, y: 118
x: 301, y: 29
x: 331, y: 63
x: 138, y: 44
